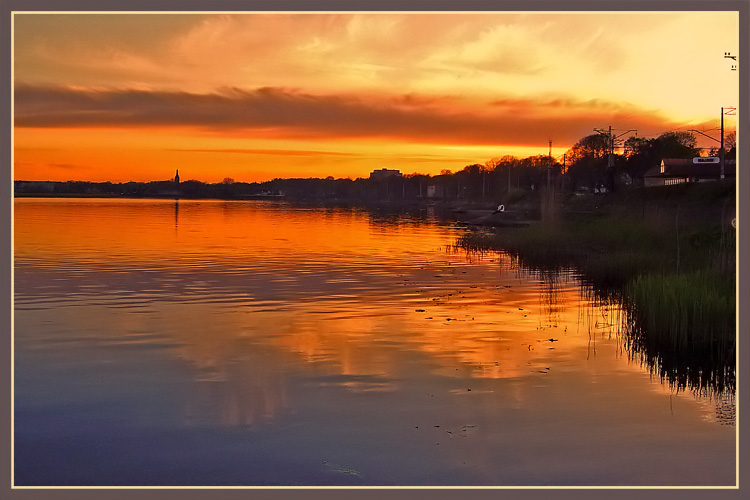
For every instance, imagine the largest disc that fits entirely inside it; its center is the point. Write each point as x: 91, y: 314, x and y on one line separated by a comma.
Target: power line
x: 612, y: 142
x: 730, y: 111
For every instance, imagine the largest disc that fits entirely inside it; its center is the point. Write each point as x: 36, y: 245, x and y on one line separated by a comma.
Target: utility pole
x: 612, y: 141
x: 509, y: 170
x: 610, y: 145
x: 721, y: 148
x: 728, y: 112
x: 722, y: 153
x: 549, y: 162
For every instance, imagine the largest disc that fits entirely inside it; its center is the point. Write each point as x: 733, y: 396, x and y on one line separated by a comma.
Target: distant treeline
x: 472, y: 182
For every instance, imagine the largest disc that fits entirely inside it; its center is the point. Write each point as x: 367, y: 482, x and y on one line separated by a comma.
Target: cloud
x: 502, y: 49
x: 279, y: 113
x: 612, y: 56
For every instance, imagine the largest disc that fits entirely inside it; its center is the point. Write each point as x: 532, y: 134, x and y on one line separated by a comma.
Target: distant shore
x: 137, y: 197
x: 691, y: 203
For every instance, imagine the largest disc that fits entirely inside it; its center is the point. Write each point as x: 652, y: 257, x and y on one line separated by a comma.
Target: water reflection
x: 244, y: 389
x: 320, y: 331
x: 348, y: 289
x: 705, y: 370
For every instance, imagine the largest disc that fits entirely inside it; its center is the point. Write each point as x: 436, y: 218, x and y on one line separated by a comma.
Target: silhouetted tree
x: 730, y: 146
x: 469, y: 180
x: 635, y: 146
x: 645, y: 153
x: 592, y: 146
x: 676, y: 145
x: 587, y: 162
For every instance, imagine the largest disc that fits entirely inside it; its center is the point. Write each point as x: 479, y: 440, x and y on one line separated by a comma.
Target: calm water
x: 251, y: 343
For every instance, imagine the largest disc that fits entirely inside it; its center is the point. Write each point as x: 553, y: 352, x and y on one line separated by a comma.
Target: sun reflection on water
x: 275, y: 313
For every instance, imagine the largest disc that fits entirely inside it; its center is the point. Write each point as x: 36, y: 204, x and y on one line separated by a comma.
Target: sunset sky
x: 120, y: 97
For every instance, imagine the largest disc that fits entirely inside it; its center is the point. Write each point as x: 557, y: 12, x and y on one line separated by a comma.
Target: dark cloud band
x: 278, y: 112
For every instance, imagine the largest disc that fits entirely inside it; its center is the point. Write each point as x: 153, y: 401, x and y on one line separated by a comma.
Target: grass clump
x: 683, y: 311
x: 669, y: 258
x: 682, y: 327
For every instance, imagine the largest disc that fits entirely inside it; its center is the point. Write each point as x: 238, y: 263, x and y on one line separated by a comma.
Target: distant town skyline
x: 251, y: 96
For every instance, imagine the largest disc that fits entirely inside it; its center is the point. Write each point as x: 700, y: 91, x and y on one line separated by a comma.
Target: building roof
x: 384, y: 173
x: 683, y: 168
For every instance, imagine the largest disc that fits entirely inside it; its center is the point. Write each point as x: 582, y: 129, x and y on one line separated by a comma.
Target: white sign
x: 707, y: 159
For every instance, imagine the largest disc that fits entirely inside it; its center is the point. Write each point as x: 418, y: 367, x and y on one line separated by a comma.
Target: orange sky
x: 124, y: 97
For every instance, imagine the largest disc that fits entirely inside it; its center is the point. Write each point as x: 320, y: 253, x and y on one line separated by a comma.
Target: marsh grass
x: 686, y: 310
x: 607, y: 252
x: 683, y: 327
x: 670, y: 264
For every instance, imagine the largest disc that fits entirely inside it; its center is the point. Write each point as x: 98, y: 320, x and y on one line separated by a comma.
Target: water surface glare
x: 257, y: 343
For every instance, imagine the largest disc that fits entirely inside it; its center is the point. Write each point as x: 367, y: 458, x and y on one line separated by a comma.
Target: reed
x: 682, y: 327
x: 671, y: 268
x: 606, y: 258
x: 684, y: 311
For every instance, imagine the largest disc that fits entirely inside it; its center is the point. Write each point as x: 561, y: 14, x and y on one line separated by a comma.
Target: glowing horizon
x: 255, y: 96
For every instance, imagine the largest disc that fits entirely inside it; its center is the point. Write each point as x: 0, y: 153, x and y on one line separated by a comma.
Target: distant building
x: 165, y: 188
x: 435, y: 191
x: 384, y: 173
x: 672, y: 171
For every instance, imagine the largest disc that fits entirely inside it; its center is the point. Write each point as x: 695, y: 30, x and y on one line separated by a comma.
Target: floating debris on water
x: 341, y: 470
